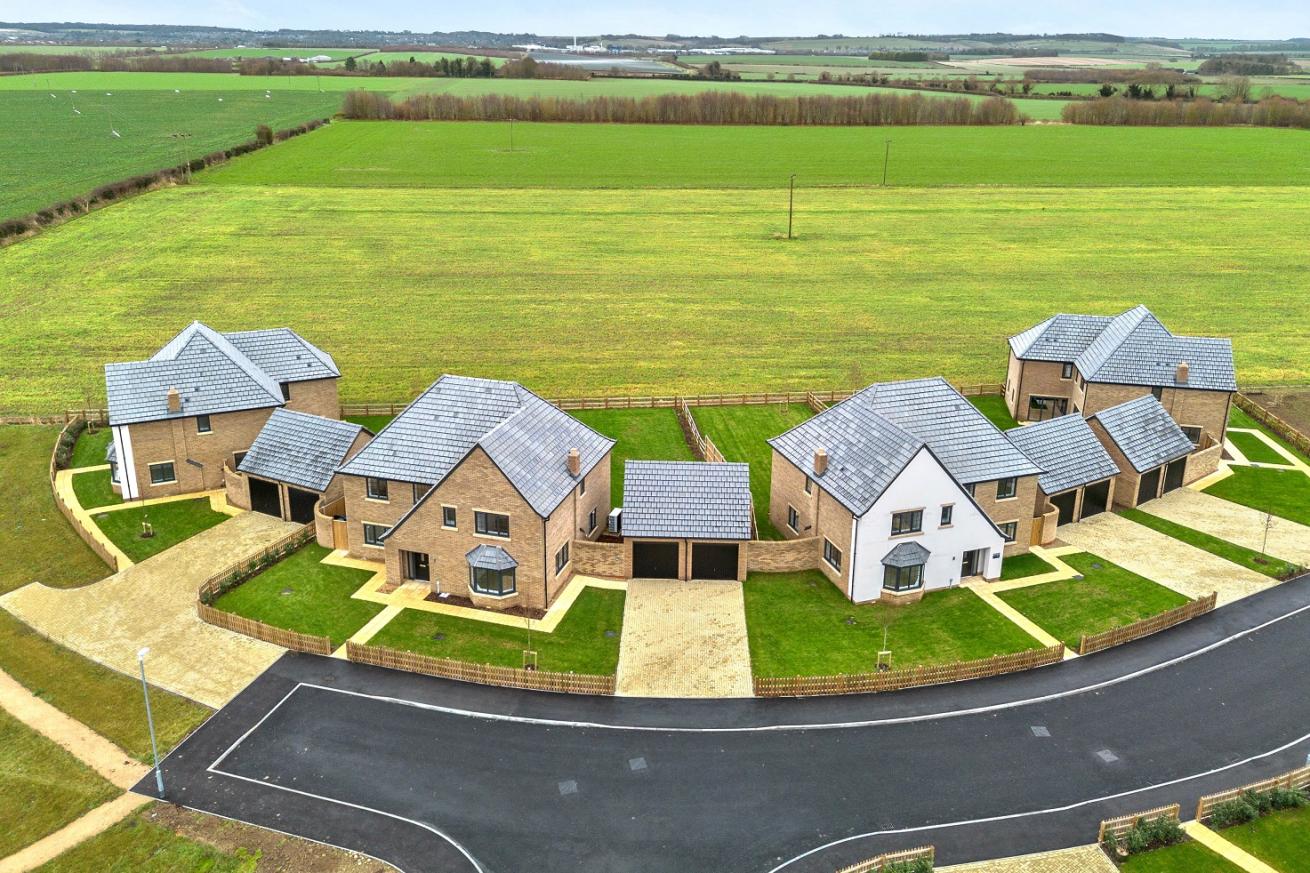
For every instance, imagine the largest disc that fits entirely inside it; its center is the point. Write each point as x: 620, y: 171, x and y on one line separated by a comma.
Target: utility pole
x: 886, y: 156
x: 791, y: 204
x: 150, y: 720
x: 511, y: 134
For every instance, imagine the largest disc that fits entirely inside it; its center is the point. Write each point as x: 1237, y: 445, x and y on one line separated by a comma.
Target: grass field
x: 172, y: 523
x: 1284, y: 493
x: 1256, y: 450
x: 799, y: 624
x: 1238, y: 418
x: 993, y: 406
x: 139, y: 845
x: 121, y: 83
x: 642, y: 434
x: 259, y: 51
x: 1022, y: 566
x: 89, y: 450
x: 1249, y: 558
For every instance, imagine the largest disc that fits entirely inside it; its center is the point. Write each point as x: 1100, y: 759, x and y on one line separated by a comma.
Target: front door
x: 972, y: 563
x: 416, y: 566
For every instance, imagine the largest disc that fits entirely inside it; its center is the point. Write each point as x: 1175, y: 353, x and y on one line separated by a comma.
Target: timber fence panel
x: 1295, y: 780
x: 886, y: 859
x: 483, y: 674
x: 1284, y: 429
x: 1120, y: 825
x: 1090, y: 643
x: 287, y: 639
x: 67, y: 511
x: 234, y: 574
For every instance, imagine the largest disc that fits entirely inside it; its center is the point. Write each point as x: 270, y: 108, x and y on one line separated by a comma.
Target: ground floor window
x: 373, y: 534
x: 591, y: 521
x: 1193, y: 434
x: 1009, y: 530
x: 561, y: 558
x: 832, y: 555
x: 162, y: 473
x: 793, y: 520
x: 113, y: 472
x: 902, y: 578
x: 486, y: 581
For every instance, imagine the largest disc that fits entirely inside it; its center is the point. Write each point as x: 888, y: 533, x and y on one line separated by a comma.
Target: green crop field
x: 51, y: 153
x: 186, y: 82
x: 256, y: 51
x: 392, y: 154
x: 6, y: 49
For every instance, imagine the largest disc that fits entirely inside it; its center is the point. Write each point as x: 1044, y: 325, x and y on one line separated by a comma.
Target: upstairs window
x: 908, y: 522
x: 1006, y: 488
x: 202, y: 424
x: 448, y: 516
x: 582, y: 487
x: 1193, y: 434
x: 809, y: 485
x: 1157, y: 392
x: 375, y: 489
x: 793, y: 520
x: 591, y: 521
x: 948, y: 515
x: 1066, y: 371
x: 491, y: 524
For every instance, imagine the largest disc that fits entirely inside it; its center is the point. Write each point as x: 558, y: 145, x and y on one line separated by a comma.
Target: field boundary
x: 1090, y: 643
x: 72, y: 424
x: 1283, y: 428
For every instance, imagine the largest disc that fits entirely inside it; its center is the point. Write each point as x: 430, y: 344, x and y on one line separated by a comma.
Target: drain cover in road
x: 567, y: 787
x: 636, y: 764
x: 1107, y: 756
x: 1040, y: 731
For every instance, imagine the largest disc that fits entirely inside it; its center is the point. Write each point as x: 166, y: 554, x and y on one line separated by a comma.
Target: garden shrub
x: 1287, y: 798
x: 918, y: 865
x: 1232, y: 812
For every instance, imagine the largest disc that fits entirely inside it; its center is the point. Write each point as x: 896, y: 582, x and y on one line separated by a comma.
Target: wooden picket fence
x: 1122, y: 824
x: 1089, y: 643
x: 910, y: 677
x: 235, y: 574
x: 483, y: 674
x: 67, y: 511
x: 886, y: 859
x: 1295, y: 780
x: 1284, y: 429
x: 287, y: 639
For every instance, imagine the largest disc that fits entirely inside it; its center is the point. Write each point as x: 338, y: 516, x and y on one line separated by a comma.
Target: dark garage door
x: 1173, y: 475
x: 1095, y: 499
x: 714, y: 561
x: 1149, y: 487
x: 655, y: 560
x: 1064, y: 502
x: 264, y: 498
x: 302, y: 505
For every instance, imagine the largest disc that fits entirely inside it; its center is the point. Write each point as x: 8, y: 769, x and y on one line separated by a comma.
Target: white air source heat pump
x: 615, y: 523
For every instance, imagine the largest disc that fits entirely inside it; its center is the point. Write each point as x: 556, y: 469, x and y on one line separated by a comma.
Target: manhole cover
x: 636, y: 764
x: 567, y: 787
x: 1096, y: 565
x: 1040, y: 731
x: 438, y: 636
x: 1107, y: 756
x: 286, y: 591
x: 611, y: 634
x: 849, y: 620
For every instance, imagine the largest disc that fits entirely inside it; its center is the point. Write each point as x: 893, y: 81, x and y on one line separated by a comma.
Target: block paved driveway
x: 1234, y: 522
x: 1161, y: 558
x: 154, y: 604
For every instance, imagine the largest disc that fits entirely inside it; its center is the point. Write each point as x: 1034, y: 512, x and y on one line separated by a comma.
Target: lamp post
x: 150, y: 719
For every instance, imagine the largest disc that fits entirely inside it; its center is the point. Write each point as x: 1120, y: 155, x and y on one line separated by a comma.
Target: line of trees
x: 1248, y: 65
x: 709, y: 107
x: 1269, y: 112
x: 113, y: 62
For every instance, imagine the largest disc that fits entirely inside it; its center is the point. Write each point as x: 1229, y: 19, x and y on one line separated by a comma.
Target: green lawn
x: 1186, y: 857
x: 172, y: 523
x: 94, y: 489
x: 1249, y: 558
x: 42, y: 787
x: 90, y: 448
x: 1257, y: 451
x: 1238, y: 418
x: 642, y: 434
x: 799, y: 624
x: 1280, y: 839
x: 580, y: 644
x: 1107, y: 597
x: 374, y: 423
x: 740, y: 433
x: 993, y: 406
x: 138, y: 845
x: 1284, y: 493
x: 302, y: 594
x: 1022, y: 566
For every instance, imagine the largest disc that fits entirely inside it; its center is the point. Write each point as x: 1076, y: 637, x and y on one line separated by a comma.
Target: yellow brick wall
x: 315, y: 396
x: 1021, y: 508
x: 176, y: 440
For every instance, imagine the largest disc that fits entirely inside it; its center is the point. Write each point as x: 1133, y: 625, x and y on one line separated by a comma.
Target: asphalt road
x: 442, y: 776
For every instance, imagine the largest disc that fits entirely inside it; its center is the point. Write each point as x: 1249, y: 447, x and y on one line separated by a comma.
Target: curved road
x: 442, y: 776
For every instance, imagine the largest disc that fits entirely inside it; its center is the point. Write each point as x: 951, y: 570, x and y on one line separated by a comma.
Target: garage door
x: 655, y: 560
x: 1149, y: 487
x: 1173, y: 475
x: 1096, y: 499
x: 714, y: 561
x: 265, y: 498
x: 302, y: 505
x: 1064, y: 502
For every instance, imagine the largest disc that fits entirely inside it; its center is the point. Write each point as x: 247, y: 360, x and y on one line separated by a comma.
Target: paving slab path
x: 1235, y: 523
x: 1163, y: 559
x: 684, y: 639
x: 153, y: 604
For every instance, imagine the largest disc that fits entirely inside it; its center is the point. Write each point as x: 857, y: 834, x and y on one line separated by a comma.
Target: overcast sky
x: 1255, y: 19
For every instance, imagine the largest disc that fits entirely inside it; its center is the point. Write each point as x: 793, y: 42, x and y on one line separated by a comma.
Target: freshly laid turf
x: 138, y: 845
x: 1107, y: 597
x: 1186, y: 857
x: 172, y: 523
x: 1285, y: 493
x: 740, y: 433
x: 1249, y: 558
x: 642, y: 434
x: 993, y: 406
x: 94, y: 489
x: 89, y: 450
x: 799, y: 624
x: 1022, y: 566
x: 1238, y: 418
x: 476, y: 155
x: 302, y: 594
x: 1256, y: 450
x: 586, y: 640
x: 1280, y: 839
x: 374, y: 423
x: 42, y: 787
x: 646, y: 292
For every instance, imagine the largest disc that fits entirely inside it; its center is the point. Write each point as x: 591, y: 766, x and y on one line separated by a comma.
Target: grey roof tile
x: 300, y: 449
x: 490, y: 558
x: 285, y: 355
x: 687, y: 500
x: 1067, y: 450
x: 1058, y: 338
x: 1145, y: 432
x: 906, y: 555
x: 522, y: 434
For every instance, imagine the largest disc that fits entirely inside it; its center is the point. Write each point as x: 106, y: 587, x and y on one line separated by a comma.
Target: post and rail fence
x: 1284, y: 429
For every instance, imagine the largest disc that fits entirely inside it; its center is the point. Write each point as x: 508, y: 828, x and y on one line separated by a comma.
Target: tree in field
x: 264, y: 134
x: 350, y: 64
x: 1235, y: 89
x: 1107, y: 90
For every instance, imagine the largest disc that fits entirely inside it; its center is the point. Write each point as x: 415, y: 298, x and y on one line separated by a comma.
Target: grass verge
x: 302, y: 594
x: 172, y: 523
x: 90, y: 448
x: 799, y: 624
x: 1257, y: 451
x: 1280, y: 839
x: 94, y: 489
x: 139, y: 845
x: 1249, y: 558
x: 1285, y: 493
x: 1107, y: 596
x: 1181, y: 858
x: 1237, y: 417
x: 740, y: 433
x: 1023, y: 566
x: 586, y: 640
x: 993, y: 406
x: 642, y: 434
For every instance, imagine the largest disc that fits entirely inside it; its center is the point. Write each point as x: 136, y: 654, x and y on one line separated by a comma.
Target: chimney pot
x: 174, y: 400
x: 820, y: 461
x: 1182, y: 373
x: 575, y: 462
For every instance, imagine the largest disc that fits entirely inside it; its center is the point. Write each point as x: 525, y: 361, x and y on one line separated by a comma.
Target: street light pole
x: 150, y: 720
x: 791, y: 203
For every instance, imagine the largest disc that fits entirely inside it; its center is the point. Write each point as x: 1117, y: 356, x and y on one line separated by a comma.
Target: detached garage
x: 292, y: 464
x: 1078, y: 477
x: 1149, y: 447
x: 686, y: 520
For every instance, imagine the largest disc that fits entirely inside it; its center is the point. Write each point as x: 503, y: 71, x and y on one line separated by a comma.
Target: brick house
x: 1087, y: 363
x: 907, y: 487
x: 1148, y: 446
x: 199, y: 402
x: 1078, y: 474
x: 478, y: 488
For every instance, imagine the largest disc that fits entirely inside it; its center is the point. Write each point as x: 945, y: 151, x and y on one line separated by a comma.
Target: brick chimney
x: 1180, y: 376
x: 174, y: 400
x: 820, y: 461
x: 575, y: 462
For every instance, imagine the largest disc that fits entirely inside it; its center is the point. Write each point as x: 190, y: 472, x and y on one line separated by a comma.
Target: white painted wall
x: 126, y: 463
x: 923, y: 484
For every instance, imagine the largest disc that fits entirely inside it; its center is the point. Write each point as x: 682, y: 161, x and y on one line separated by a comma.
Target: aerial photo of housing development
x: 432, y: 444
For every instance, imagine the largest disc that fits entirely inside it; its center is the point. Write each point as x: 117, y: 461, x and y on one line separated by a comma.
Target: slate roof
x: 490, y: 558
x: 873, y: 434
x: 1145, y: 432
x: 300, y: 449
x: 687, y: 500
x: 212, y: 374
x: 526, y: 437
x: 906, y: 555
x: 1067, y: 450
x: 1132, y: 348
